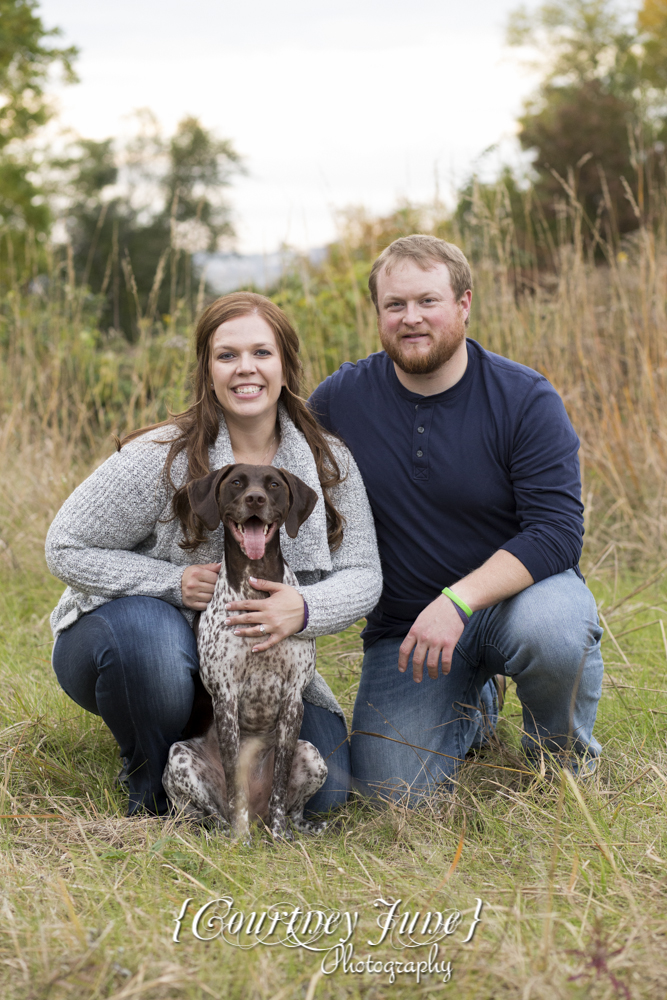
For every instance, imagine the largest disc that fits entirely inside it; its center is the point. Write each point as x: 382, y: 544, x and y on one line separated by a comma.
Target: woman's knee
x: 151, y: 643
x: 76, y: 655
x: 136, y: 652
x: 155, y: 630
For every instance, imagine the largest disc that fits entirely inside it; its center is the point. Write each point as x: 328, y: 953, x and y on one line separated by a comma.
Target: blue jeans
x: 547, y: 639
x: 133, y: 661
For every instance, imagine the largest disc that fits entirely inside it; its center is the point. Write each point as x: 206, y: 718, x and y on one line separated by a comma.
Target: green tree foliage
x: 652, y: 24
x: 133, y: 245
x: 582, y: 136
x: 25, y: 61
x: 27, y: 56
x: 597, y: 124
x: 22, y: 204
x: 199, y: 165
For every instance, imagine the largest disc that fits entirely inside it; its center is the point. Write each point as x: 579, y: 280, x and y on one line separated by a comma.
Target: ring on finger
x: 262, y: 629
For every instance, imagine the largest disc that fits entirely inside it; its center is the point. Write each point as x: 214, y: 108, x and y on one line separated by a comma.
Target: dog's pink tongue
x: 254, y: 539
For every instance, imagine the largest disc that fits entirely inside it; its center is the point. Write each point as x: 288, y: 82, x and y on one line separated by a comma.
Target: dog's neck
x: 239, y: 568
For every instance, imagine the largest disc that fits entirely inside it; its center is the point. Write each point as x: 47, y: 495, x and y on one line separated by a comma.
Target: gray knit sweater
x: 115, y: 537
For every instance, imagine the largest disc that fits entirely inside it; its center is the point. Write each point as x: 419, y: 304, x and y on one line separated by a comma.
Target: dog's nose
x: 255, y: 499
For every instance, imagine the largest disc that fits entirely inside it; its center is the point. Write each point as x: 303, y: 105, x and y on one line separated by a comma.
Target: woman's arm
x: 353, y: 587
x: 89, y: 545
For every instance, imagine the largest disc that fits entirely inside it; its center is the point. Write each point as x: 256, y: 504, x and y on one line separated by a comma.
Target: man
x: 471, y: 468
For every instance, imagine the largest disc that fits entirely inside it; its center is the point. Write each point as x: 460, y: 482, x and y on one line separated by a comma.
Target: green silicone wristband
x: 457, y: 600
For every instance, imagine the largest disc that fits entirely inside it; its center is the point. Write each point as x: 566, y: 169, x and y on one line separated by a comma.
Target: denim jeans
x: 132, y: 661
x: 547, y: 639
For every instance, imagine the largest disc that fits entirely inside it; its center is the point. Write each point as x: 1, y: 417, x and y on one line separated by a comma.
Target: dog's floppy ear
x: 203, y: 496
x: 302, y: 501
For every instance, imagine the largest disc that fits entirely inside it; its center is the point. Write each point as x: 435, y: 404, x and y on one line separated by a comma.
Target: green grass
x: 573, y: 880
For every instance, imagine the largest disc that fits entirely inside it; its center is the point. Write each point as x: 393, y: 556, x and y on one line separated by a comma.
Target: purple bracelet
x: 461, y: 613
x: 305, y: 617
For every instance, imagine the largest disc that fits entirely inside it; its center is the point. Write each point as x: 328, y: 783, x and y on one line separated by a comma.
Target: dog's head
x: 252, y: 501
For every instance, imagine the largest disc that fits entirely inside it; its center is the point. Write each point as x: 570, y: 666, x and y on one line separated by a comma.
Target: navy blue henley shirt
x: 489, y: 464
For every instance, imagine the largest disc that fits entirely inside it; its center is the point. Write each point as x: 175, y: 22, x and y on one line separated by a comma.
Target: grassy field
x: 572, y: 877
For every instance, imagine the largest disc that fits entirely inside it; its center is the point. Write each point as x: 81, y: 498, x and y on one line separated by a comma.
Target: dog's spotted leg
x: 287, y: 736
x: 309, y: 772
x: 195, y: 782
x: 225, y: 712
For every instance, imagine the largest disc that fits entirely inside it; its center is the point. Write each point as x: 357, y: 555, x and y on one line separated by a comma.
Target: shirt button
x: 420, y: 453
x: 416, y: 406
x: 420, y: 430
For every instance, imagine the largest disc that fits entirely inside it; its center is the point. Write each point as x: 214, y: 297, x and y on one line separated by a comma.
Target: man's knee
x: 555, y: 623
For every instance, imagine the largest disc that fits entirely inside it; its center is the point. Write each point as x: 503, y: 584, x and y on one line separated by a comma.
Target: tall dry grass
x: 594, y: 322
x: 596, y: 325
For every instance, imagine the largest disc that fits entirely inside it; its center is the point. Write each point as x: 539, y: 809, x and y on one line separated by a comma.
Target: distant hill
x: 226, y: 272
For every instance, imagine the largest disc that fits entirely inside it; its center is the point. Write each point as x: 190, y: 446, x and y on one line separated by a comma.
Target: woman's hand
x: 197, y: 585
x: 281, y: 614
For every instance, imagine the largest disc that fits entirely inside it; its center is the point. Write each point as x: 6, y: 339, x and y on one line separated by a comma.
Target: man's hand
x: 434, y: 634
x: 281, y: 614
x: 197, y: 585
x: 438, y: 628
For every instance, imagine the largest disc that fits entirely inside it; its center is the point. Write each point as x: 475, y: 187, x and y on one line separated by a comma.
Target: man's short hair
x: 425, y: 251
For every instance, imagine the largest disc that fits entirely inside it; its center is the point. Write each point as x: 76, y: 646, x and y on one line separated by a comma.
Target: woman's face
x: 246, y: 370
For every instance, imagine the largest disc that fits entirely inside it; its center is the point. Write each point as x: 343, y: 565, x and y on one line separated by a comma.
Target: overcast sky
x: 330, y: 102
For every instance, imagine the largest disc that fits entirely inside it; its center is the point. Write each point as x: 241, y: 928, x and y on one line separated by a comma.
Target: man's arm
x: 544, y: 471
x: 438, y: 628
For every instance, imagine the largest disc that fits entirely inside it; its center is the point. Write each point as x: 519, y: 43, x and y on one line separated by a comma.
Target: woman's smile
x: 247, y: 390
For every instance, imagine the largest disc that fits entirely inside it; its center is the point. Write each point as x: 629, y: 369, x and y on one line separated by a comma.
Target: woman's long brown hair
x: 199, y: 424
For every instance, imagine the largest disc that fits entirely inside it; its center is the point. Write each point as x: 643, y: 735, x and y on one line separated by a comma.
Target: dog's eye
x: 236, y: 482
x: 274, y: 486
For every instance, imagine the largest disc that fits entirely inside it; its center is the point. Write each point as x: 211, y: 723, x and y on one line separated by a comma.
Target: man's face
x: 420, y: 322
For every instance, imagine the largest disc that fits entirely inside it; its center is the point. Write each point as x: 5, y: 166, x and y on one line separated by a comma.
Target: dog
x: 242, y: 757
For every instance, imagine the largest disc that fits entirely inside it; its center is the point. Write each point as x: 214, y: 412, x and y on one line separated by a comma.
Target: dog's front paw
x: 281, y: 831
x: 285, y: 834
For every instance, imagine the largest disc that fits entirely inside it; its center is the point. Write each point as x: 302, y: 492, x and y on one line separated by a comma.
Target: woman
x: 139, y: 565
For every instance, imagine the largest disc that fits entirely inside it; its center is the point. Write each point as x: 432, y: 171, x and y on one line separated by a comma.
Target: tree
x: 577, y: 41
x: 167, y: 205
x: 652, y: 24
x: 598, y: 121
x: 26, y: 58
x: 582, y: 137
x: 25, y: 61
x: 199, y: 166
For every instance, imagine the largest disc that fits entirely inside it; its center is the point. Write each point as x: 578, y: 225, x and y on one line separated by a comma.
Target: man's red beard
x: 424, y: 364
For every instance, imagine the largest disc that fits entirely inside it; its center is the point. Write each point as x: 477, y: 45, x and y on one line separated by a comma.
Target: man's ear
x: 302, y: 501
x: 203, y: 496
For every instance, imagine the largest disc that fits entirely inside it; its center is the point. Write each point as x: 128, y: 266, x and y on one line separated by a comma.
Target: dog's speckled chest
x: 229, y: 669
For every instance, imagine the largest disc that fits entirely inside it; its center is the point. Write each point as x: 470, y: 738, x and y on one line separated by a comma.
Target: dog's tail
x: 252, y: 786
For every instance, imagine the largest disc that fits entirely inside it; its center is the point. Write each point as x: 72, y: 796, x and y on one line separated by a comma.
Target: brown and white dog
x: 244, y: 759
